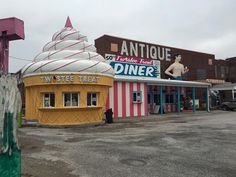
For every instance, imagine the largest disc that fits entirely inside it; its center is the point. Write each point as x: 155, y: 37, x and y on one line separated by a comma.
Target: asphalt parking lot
x: 184, y: 145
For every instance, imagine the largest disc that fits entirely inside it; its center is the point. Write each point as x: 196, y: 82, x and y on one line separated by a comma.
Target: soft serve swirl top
x: 68, y: 51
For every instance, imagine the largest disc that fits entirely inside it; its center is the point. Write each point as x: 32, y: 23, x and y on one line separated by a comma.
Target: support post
x: 161, y: 101
x: 178, y: 99
x: 233, y: 94
x: 194, y: 95
x: 10, y: 29
x: 207, y: 100
x: 148, y: 92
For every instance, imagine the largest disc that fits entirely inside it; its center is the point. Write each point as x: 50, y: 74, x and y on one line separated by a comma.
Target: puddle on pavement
x: 133, y: 162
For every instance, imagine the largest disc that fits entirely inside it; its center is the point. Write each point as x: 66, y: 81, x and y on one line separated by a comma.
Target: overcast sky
x: 201, y: 25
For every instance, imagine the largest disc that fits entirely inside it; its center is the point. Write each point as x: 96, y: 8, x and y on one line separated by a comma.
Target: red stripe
x: 59, y: 34
x: 74, y: 54
x: 93, y: 56
x: 28, y: 68
x: 131, y: 103
x: 52, y: 61
x: 46, y: 46
x: 65, y: 65
x: 35, y: 58
x: 115, y: 99
x: 123, y: 99
x: 145, y: 99
x: 106, y: 70
x: 139, y: 104
x: 81, y: 37
x: 81, y: 52
x: 86, y: 47
x: 63, y: 49
x: 89, y: 67
x: 68, y: 35
x: 54, y: 45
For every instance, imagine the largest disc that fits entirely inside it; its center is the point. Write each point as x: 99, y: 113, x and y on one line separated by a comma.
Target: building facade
x: 201, y: 65
x: 68, y: 82
x: 140, y: 85
x: 226, y: 71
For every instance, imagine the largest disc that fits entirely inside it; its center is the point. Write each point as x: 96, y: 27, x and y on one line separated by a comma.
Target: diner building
x: 140, y: 85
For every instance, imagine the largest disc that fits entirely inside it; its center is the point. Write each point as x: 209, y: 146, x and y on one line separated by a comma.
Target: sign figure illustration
x: 176, y: 69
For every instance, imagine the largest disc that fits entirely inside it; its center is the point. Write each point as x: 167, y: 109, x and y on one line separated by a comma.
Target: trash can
x: 109, y: 116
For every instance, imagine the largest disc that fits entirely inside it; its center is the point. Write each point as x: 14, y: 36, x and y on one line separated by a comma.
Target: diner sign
x: 134, y: 66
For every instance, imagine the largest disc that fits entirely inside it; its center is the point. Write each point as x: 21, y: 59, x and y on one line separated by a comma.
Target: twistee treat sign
x: 69, y: 78
x: 134, y: 66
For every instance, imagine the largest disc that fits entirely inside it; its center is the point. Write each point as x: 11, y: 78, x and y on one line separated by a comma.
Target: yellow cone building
x: 68, y: 82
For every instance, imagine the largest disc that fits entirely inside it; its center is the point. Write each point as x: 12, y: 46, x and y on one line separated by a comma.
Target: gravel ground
x: 184, y: 145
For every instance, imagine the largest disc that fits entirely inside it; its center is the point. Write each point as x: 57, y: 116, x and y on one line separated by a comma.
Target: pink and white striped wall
x: 120, y: 99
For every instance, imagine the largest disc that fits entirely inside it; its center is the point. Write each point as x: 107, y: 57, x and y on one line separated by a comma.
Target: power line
x: 17, y: 58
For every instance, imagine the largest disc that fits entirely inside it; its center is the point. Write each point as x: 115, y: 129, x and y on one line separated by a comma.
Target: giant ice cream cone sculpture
x: 68, y: 82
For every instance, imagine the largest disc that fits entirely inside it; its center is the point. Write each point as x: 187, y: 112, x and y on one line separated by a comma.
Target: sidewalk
x: 167, y: 116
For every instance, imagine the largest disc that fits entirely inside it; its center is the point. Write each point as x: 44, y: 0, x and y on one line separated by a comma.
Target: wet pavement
x: 172, y: 145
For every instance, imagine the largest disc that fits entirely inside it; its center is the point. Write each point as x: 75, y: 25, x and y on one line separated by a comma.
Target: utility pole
x: 10, y: 29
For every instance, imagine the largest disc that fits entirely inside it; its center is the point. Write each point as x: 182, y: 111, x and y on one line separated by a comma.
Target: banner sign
x: 134, y: 66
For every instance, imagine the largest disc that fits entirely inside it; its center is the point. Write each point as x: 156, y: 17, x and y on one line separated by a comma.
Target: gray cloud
x: 205, y: 26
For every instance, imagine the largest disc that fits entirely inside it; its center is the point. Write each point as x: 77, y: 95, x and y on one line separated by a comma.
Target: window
x: 222, y: 71
x: 71, y: 99
x: 210, y: 61
x: 201, y: 74
x: 92, y: 99
x: 49, y: 100
x: 114, y: 47
x: 137, y: 97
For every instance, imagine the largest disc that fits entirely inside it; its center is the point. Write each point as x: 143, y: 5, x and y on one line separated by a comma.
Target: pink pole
x: 4, y: 52
x: 10, y: 29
